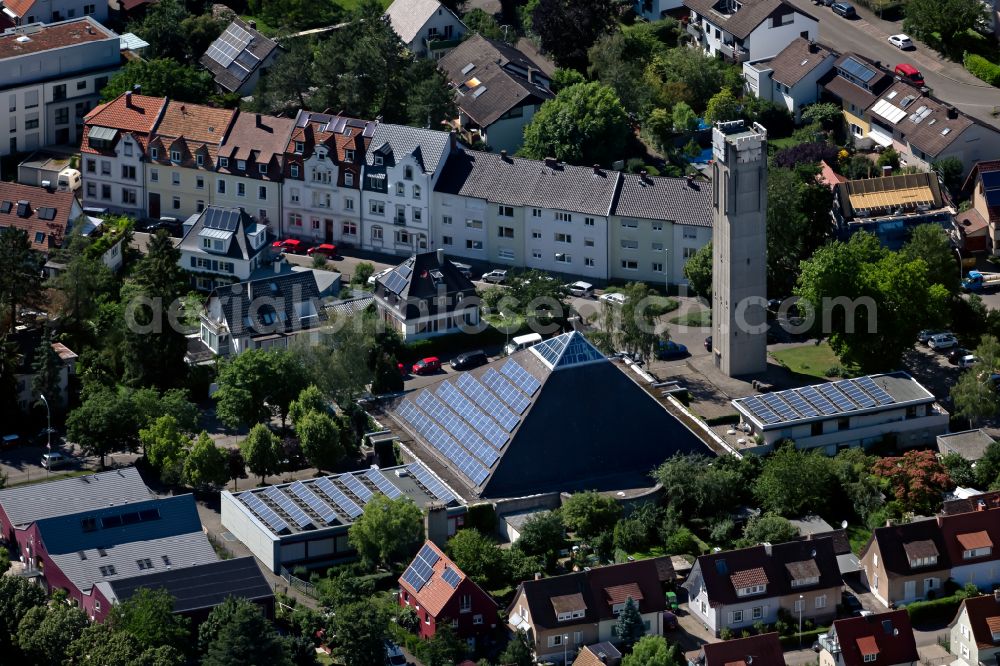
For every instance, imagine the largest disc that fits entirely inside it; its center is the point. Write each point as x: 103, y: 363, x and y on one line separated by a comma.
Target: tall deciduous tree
x: 916, y: 479
x: 205, y: 465
x: 260, y: 450
x: 517, y: 652
x: 240, y: 634
x: 103, y: 423
x: 768, y: 527
x: 17, y: 596
x: 723, y: 106
x: 568, y: 28
x: 931, y: 243
x: 45, y: 632
x: 619, y: 60
x: 798, y: 222
x: 389, y: 530
x: 20, y: 273
x: 543, y: 535
x: 653, y: 651
x: 589, y: 513
x: 584, y: 124
x: 943, y: 22
x: 149, y: 616
x: 160, y: 77
x: 360, y: 628
x: 285, y: 85
x: 165, y: 447
x: 698, y: 271
x: 794, y: 483
x: 78, y: 290
x: 48, y: 368
x: 431, y: 100
x: 310, y: 399
x: 478, y: 556
x: 320, y: 439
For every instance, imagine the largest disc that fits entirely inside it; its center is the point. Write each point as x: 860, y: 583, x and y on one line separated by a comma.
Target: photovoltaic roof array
x: 451, y: 577
x: 228, y: 46
x: 858, y: 70
x: 991, y: 187
x: 847, y: 395
x: 431, y: 483
x: 468, y: 421
x: 421, y: 569
x: 265, y: 513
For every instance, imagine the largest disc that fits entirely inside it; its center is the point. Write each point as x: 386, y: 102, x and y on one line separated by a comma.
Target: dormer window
x: 923, y: 561
x: 321, y: 155
x: 241, y: 165
x: 348, y: 155
x: 378, y: 160
x: 200, y: 160
x: 569, y: 607
x: 154, y: 153
x: 300, y: 147
x: 224, y: 162
x: 868, y: 648
x: 295, y: 170
x: 973, y: 553
x: 751, y: 590
x: 803, y: 574
x: 408, y: 173
x: 975, y: 544
x: 175, y: 156
x: 749, y: 582
x: 261, y: 168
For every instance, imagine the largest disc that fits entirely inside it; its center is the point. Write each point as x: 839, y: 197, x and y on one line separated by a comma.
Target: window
x: 400, y: 190
x: 477, y: 619
x: 416, y: 191
x: 377, y: 233
x: 400, y: 214
x: 348, y: 155
x: 88, y: 9
x: 964, y: 629
x: 976, y: 552
x: 800, y: 605
x: 504, y: 253
x: 294, y: 170
x: 348, y: 179
x: 144, y: 563
x: 261, y: 193
x: 31, y: 96
x: 737, y: 617
x: 128, y: 196
x: 199, y: 160
x: 241, y: 165
x: 657, y: 267
x: 128, y: 172
x: 563, y: 258
x: 923, y: 561
x: 241, y: 189
x: 13, y: 104
x: 199, y: 183
x: 563, y: 238
x: 378, y: 160
x: 221, y: 186
x: 299, y: 147
x: 59, y: 92
x: 474, y: 224
x: 588, y: 221
x: 403, y: 237
x: 629, y: 224
x: 630, y: 244
x: 821, y: 601
x: 91, y: 189
x: 844, y: 423
x: 177, y: 203
x: 630, y: 264
x: 657, y: 226
x: 536, y: 212
x: 175, y: 156
x: 348, y: 203
x: 757, y: 612
x: 408, y: 173
x: 447, y: 240
x: 931, y: 584
x: 473, y: 245
x: 536, y: 254
x: 108, y: 570
x: 315, y: 224
x: 349, y: 229
x: 751, y: 590
x: 589, y: 261
x: 505, y: 211
x: 31, y: 123
x: 105, y: 168
x: 106, y: 192
x: 446, y: 219
x: 418, y: 214
x: 376, y: 207
x: 175, y: 178
x: 261, y: 168
x: 39, y: 236
x: 555, y: 641
x: 62, y: 118
x: 689, y: 232
x: 154, y: 153
x: 97, y: 606
x: 199, y: 205
x: 965, y: 653
x: 100, y: 82
x: 223, y: 161
x: 91, y: 166
x: 564, y: 217
x: 536, y: 234
x: 505, y: 232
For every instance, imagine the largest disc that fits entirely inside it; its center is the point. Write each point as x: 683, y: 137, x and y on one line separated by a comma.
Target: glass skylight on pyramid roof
x: 567, y: 350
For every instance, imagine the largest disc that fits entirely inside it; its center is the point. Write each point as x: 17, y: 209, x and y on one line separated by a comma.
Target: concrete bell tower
x: 739, y: 248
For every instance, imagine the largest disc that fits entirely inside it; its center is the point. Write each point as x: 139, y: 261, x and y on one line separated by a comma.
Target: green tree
x: 768, y: 527
x: 684, y: 118
x: 363, y: 271
x: 20, y: 273
x: 162, y: 27
x: 289, y: 377
x: 360, y: 628
x: 285, y: 84
x: 688, y: 75
x: 17, y: 597
x: 583, y: 124
x: 160, y: 77
x: 823, y: 113
x: 974, y: 398
x: 166, y: 448
x: 794, y: 483
x: 310, y: 399
x: 630, y: 626
x: 888, y: 157
x: 723, y: 106
x: 430, y: 101
x: 78, y: 290
x: 101, y: 644
x: 619, y: 60
x: 659, y: 129
x: 589, y: 513
x: 199, y: 32
x: 519, y: 566
x: 943, y: 22
x: 206, y: 465
x: 698, y: 271
x: 149, y: 616
x: 45, y: 632
x: 563, y: 78
x: 543, y: 535
x: 959, y: 469
x: 798, y: 223
x: 240, y: 634
x: 682, y: 542
x: 320, y: 439
x: 148, y: 404
x: 48, y: 368
x: 387, y: 531
x: 245, y: 383
x: 988, y: 467
x: 444, y: 647
x: 480, y: 22
x: 872, y: 300
x: 950, y: 169
x: 478, y: 556
x: 103, y: 423
x: 931, y: 243
x: 517, y: 652
x: 260, y: 449
x: 653, y: 651
x: 567, y: 28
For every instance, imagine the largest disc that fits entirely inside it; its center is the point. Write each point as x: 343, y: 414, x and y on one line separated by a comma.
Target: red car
x: 290, y: 245
x: 326, y: 249
x: 426, y: 366
x: 910, y: 73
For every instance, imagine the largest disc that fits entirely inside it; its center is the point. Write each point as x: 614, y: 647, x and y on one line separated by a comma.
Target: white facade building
x: 427, y: 27
x: 748, y: 30
x: 25, y: 12
x: 791, y: 78
x: 222, y: 246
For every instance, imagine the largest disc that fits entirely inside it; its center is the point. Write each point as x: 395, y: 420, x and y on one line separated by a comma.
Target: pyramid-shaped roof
x: 556, y: 417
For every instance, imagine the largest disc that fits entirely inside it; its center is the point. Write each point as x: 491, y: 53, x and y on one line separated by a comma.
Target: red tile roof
x: 192, y: 129
x: 972, y: 540
x: 763, y: 650
x: 53, y: 231
x: 618, y: 594
x: 868, y: 645
x: 137, y: 116
x: 52, y: 36
x: 749, y: 577
x: 19, y: 7
x: 887, y: 635
x: 984, y: 618
x: 436, y: 593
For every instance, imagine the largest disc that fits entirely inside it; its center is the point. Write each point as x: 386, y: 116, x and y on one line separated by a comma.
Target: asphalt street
x: 867, y: 35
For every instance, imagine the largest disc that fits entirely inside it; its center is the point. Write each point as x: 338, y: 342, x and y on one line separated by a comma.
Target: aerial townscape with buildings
x: 500, y: 333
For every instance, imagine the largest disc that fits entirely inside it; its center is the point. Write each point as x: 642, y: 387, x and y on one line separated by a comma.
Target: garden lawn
x: 701, y: 318
x: 809, y: 359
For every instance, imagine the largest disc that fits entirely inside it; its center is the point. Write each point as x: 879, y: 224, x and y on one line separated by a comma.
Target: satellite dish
x: 843, y: 524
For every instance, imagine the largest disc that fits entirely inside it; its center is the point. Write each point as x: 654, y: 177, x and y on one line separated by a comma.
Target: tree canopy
x: 161, y: 77
x: 568, y: 28
x: 388, y: 531
x: 260, y: 450
x: 589, y: 513
x: 943, y: 23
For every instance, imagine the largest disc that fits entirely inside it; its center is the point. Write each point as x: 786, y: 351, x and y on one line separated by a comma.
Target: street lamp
x: 802, y: 604
x: 565, y: 642
x: 48, y: 430
x: 959, y: 253
x: 666, y: 271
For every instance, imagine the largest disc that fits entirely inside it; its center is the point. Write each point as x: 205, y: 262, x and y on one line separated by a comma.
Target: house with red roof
x: 759, y: 650
x: 902, y: 563
x: 885, y: 639
x: 47, y: 216
x: 975, y: 631
x: 25, y: 12
x: 441, y: 594
x: 114, y: 150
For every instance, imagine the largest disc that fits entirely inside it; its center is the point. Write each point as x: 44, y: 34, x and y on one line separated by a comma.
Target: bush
x: 482, y: 517
x: 806, y: 638
x: 982, y: 68
x: 943, y: 608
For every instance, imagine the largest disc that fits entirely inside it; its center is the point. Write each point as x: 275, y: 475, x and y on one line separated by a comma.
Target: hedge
x: 452, y: 344
x: 937, y: 609
x: 807, y: 638
x: 982, y: 68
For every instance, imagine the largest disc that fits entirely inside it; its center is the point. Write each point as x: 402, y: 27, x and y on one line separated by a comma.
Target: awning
x: 880, y: 137
x: 102, y: 133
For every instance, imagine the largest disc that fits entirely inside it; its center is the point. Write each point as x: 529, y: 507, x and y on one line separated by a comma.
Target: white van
x: 69, y: 180
x: 522, y: 342
x: 581, y: 289
x: 53, y: 460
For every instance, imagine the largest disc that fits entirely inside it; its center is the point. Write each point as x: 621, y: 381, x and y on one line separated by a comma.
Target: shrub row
x: 936, y: 609
x: 806, y: 638
x: 982, y: 68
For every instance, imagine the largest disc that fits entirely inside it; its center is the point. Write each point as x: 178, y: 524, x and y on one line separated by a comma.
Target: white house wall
x: 768, y: 41
x: 105, y: 177
x: 250, y: 532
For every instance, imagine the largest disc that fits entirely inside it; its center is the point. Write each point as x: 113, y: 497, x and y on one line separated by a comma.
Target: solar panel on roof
x: 288, y: 505
x: 431, y: 483
x: 489, y: 402
x: 394, y: 282
x: 521, y: 377
x: 506, y: 391
x: 858, y: 70
x: 840, y: 401
x: 404, y: 270
x: 359, y: 489
x: 799, y: 403
x: 265, y: 513
x: 464, y: 407
x: 461, y: 433
x: 812, y: 395
x: 874, y: 390
x: 779, y: 407
x: 991, y: 179
x: 451, y: 577
x: 436, y: 436
x: 760, y: 410
x: 854, y: 392
x: 385, y: 486
x: 314, y: 502
x: 340, y: 500
x: 421, y: 569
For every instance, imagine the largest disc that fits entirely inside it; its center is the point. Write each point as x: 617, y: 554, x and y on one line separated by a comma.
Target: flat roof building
x: 970, y: 444
x: 842, y: 414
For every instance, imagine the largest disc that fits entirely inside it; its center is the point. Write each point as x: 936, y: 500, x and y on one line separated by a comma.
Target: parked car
x: 470, y: 360
x: 13, y: 439
x: 708, y: 343
x: 852, y: 605
x: 327, y: 250
x: 615, y: 298
x: 522, y: 342
x: 376, y: 276
x: 495, y: 276
x: 464, y: 269
x: 925, y: 335
x: 426, y: 366
x: 394, y: 655
x: 844, y: 9
x: 581, y: 289
x: 909, y: 73
x: 54, y: 460
x: 668, y: 350
x: 171, y: 224
x: 956, y: 354
x: 943, y: 341
x: 967, y: 362
x: 290, y: 245
x: 901, y: 41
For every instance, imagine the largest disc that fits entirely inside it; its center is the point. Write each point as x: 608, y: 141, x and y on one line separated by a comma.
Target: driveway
x: 868, y: 34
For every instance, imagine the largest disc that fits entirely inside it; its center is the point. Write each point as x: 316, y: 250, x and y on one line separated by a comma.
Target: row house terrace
x: 321, y: 194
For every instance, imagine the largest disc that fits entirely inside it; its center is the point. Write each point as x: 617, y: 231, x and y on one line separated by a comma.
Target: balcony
x: 735, y: 53
x: 694, y: 29
x: 399, y: 221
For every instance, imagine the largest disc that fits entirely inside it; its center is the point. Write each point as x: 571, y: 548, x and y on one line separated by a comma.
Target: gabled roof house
x: 222, y: 246
x: 983, y: 184
x: 238, y: 57
x: 46, y: 215
x: 975, y: 631
x: 427, y: 27
x: 748, y: 30
x: 885, y: 639
x: 791, y: 78
x: 759, y: 650
x: 442, y: 595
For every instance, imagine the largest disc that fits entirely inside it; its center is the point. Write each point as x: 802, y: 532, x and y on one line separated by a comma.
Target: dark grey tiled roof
x: 665, y: 199
x: 247, y: 60
x: 425, y: 284
x: 278, y: 300
x: 750, y: 15
x: 519, y: 182
x: 235, y: 220
x: 199, y: 587
x: 502, y: 72
x: 798, y: 59
x: 396, y: 141
x: 26, y: 504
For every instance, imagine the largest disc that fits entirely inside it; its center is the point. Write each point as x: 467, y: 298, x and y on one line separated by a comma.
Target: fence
x: 303, y: 586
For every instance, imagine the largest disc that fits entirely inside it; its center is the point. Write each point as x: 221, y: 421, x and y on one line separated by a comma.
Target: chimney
x: 980, y: 505
x: 137, y: 88
x: 996, y: 595
x: 597, y: 169
x: 551, y: 162
x: 440, y: 254
x: 128, y: 98
x: 503, y: 154
x: 767, y: 548
x: 812, y: 46
x: 436, y: 523
x: 952, y: 112
x: 690, y: 179
x: 253, y: 24
x: 538, y: 575
x: 257, y: 120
